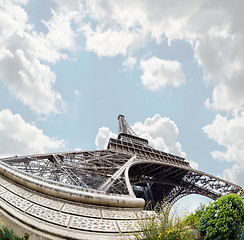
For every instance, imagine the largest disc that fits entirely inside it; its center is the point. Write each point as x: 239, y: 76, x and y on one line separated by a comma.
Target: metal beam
x: 116, y: 175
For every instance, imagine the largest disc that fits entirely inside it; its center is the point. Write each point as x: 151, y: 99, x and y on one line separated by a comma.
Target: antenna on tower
x: 124, y: 127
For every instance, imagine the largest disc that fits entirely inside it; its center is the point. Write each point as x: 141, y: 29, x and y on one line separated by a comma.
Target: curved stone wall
x: 27, y: 206
x: 68, y: 192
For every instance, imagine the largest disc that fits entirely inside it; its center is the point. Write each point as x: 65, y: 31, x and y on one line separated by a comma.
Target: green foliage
x: 26, y: 236
x: 163, y: 226
x: 242, y: 234
x: 193, y: 219
x: 6, y: 234
x: 223, y: 219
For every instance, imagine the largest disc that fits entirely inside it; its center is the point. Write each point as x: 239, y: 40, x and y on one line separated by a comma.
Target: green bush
x: 164, y: 226
x: 6, y: 234
x: 193, y: 219
x: 223, y: 219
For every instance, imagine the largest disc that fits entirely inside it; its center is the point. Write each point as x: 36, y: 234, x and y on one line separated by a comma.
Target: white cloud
x: 129, y: 63
x: 155, y: 19
x: 213, y: 28
x: 78, y: 149
x: 77, y: 93
x: 5, y: 53
x: 235, y: 174
x: 161, y: 133
x: 143, y: 21
x: 29, y: 80
x: 157, y: 73
x: 12, y: 18
x: 60, y: 34
x: 23, y: 51
x: 18, y: 137
x: 103, y: 136
x: 229, y: 134
x: 222, y: 63
x: 70, y: 5
x: 193, y: 164
x: 111, y: 42
x: 120, y: 27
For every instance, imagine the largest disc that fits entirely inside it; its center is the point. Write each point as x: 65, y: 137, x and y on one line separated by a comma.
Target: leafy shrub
x: 193, y: 219
x: 223, y: 219
x: 6, y: 234
x: 163, y: 226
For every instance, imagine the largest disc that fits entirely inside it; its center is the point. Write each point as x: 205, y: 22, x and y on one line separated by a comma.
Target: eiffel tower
x: 96, y: 192
x: 157, y: 176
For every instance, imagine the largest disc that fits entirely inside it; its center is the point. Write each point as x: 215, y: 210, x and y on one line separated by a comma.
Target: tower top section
x: 127, y: 134
x: 124, y: 127
x: 129, y: 142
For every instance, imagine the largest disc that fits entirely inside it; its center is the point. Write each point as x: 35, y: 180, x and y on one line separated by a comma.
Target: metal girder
x: 87, y: 169
x: 61, y: 164
x: 170, y: 182
x: 110, y: 181
x: 104, y: 170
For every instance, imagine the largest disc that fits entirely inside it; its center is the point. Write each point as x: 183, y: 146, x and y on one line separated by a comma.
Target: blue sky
x: 173, y: 68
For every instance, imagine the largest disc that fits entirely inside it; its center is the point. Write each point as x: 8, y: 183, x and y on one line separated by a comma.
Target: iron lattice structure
x: 130, y: 167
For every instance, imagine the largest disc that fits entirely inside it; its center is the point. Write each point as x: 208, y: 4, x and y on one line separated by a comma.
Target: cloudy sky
x: 174, y: 68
